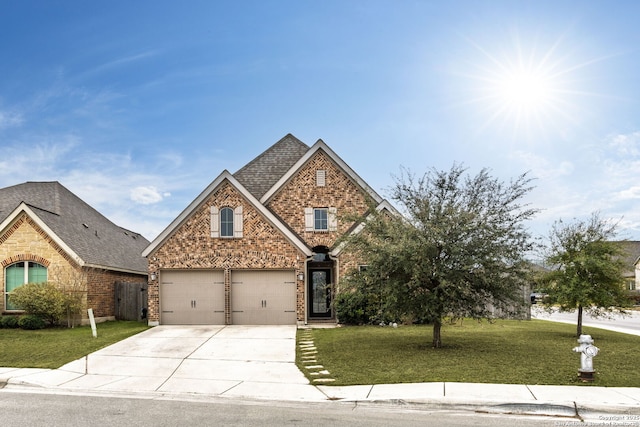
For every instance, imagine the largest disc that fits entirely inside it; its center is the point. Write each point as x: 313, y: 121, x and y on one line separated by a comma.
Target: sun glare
x: 528, y: 89
x: 525, y: 89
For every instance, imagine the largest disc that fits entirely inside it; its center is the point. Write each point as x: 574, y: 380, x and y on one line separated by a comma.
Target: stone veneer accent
x: 24, y: 240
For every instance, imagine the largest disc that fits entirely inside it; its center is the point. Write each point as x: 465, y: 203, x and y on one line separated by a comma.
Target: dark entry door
x: 320, y: 294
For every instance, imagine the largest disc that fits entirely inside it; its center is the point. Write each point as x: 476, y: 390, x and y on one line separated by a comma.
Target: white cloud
x: 629, y: 193
x: 542, y: 168
x: 626, y: 145
x: 10, y: 119
x: 147, y: 195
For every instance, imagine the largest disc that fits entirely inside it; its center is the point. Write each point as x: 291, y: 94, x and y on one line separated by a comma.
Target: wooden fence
x: 131, y: 301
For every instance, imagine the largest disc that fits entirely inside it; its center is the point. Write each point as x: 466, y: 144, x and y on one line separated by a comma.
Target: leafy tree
x: 587, y: 269
x: 457, y: 250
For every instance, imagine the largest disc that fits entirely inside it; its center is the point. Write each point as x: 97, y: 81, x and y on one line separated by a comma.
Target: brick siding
x: 262, y: 246
x: 191, y: 246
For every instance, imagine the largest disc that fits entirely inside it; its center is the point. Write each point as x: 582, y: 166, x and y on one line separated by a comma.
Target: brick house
x: 259, y: 246
x: 49, y: 234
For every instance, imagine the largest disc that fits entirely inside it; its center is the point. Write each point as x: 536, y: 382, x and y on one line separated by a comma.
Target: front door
x: 320, y: 294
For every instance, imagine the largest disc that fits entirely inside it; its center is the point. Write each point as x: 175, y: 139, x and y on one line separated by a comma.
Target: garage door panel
x: 263, y: 297
x: 192, y: 297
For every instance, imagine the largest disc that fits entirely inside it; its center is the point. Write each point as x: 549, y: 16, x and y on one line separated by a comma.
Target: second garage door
x: 193, y: 297
x: 263, y: 297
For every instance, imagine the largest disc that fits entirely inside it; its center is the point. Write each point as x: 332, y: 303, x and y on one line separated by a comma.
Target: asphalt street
x: 70, y: 410
x: 629, y: 324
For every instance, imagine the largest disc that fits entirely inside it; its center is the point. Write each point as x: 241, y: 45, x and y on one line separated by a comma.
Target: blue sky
x: 137, y: 106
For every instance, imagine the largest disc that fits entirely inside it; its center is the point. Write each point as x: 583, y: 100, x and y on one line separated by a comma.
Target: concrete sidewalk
x: 259, y: 363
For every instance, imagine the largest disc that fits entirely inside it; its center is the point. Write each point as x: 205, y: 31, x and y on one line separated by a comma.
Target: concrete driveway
x: 237, y: 361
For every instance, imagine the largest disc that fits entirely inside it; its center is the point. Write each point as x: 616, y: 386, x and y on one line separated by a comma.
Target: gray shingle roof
x: 260, y: 174
x: 631, y: 252
x: 95, y: 239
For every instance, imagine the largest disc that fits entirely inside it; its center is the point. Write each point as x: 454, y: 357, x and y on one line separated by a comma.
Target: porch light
x: 301, y: 276
x: 153, y: 276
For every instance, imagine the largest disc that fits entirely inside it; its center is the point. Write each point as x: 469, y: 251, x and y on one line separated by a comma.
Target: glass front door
x: 320, y: 294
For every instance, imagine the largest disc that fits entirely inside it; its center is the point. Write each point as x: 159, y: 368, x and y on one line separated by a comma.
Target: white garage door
x: 192, y: 297
x: 263, y: 297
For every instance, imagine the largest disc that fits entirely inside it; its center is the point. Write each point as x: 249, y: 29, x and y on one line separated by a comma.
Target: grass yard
x: 507, y: 351
x: 55, y: 347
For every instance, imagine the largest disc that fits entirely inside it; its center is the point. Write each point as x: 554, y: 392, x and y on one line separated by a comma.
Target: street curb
x: 551, y: 409
x: 563, y: 409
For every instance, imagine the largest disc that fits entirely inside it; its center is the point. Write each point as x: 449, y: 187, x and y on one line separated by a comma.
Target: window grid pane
x: 226, y: 222
x: 37, y: 273
x: 15, y: 276
x: 321, y: 219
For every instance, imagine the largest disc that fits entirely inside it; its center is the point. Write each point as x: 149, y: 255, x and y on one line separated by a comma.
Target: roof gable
x: 31, y: 213
x: 318, y: 146
x: 81, y: 230
x: 189, y: 210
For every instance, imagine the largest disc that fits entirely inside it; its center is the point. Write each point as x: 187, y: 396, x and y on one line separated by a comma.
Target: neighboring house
x: 260, y: 246
x: 48, y: 234
x: 631, y: 271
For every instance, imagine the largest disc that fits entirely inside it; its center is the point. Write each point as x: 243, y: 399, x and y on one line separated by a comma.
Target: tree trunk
x: 437, y: 341
x: 579, y: 330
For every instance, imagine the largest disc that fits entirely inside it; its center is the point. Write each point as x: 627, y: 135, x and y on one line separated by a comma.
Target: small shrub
x: 351, y: 308
x: 31, y: 322
x: 41, y: 299
x: 9, y: 322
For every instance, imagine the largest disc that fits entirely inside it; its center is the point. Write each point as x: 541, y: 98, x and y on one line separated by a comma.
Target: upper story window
x: 226, y: 222
x: 320, y: 219
x: 20, y: 273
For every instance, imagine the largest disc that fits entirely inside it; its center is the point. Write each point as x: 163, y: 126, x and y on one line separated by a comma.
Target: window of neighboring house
x: 632, y: 285
x: 226, y: 222
x: 19, y: 274
x: 362, y: 267
x: 321, y: 219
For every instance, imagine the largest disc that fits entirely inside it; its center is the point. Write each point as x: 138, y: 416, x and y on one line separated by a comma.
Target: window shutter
x: 308, y: 219
x: 237, y: 221
x: 333, y: 219
x: 215, y: 222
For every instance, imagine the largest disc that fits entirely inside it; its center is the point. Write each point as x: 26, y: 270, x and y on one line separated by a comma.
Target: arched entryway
x: 320, y: 285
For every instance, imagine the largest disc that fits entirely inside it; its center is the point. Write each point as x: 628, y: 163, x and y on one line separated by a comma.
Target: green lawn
x: 507, y: 351
x: 52, y: 348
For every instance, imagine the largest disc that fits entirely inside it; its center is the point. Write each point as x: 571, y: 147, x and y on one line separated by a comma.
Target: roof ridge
x: 267, y: 168
x: 287, y: 137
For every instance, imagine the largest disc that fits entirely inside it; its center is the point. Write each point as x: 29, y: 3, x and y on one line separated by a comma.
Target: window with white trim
x: 226, y: 222
x: 320, y: 219
x: 20, y: 273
